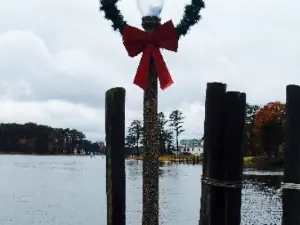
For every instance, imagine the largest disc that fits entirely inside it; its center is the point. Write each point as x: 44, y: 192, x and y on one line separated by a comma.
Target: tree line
x: 263, y: 131
x: 169, y: 129
x: 32, y: 138
x: 263, y: 134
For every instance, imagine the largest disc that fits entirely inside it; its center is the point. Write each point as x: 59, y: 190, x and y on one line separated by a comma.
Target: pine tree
x: 176, y: 121
x: 162, y: 122
x: 134, y: 136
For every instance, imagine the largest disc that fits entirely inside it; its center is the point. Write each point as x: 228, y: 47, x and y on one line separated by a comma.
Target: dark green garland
x: 191, y: 15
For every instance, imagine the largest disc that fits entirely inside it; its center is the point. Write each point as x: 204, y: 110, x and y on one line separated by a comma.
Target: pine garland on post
x: 190, y: 18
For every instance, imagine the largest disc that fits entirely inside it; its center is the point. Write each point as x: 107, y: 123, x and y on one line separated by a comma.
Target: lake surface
x: 56, y: 190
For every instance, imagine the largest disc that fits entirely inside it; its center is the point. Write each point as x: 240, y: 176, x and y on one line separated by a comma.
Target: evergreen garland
x: 190, y: 18
x: 191, y: 15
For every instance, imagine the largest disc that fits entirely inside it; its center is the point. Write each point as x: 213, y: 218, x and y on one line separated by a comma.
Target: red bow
x: 137, y: 41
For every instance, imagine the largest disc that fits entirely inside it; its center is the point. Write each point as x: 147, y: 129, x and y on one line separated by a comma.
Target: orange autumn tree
x: 268, y: 127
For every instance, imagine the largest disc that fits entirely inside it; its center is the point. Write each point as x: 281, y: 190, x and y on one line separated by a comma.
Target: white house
x: 191, y: 146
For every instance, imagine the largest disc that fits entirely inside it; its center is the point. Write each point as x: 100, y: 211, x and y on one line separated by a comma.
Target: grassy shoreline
x: 249, y: 161
x: 168, y: 158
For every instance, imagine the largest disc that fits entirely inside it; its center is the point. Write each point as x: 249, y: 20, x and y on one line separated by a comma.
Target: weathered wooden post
x: 115, y: 159
x: 291, y: 185
x: 151, y: 143
x: 234, y: 130
x: 212, y: 196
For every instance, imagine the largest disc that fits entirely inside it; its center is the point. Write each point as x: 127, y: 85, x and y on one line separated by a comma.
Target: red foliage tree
x: 273, y: 112
x: 268, y: 126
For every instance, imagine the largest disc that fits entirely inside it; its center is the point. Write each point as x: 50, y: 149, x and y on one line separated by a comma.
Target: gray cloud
x: 57, y: 59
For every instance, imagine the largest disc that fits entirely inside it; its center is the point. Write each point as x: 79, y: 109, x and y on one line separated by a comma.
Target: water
x: 55, y: 190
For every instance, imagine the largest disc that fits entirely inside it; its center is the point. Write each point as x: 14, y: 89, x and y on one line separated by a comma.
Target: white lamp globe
x: 150, y: 7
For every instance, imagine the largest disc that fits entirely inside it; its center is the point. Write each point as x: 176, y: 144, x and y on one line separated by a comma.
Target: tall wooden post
x: 234, y: 135
x: 115, y: 159
x: 213, y: 197
x: 150, y: 154
x: 291, y: 185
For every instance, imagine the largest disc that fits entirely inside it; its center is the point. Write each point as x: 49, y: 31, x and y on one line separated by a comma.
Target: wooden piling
x: 234, y: 130
x: 115, y: 159
x: 290, y: 194
x: 212, y: 197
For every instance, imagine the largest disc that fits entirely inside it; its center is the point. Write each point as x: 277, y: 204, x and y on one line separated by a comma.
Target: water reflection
x: 180, y: 191
x: 264, y: 181
x: 261, y: 200
x: 133, y: 169
x: 71, y: 190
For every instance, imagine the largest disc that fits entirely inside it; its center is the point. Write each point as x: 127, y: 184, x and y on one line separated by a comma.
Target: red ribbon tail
x: 141, y: 77
x: 164, y: 76
x: 166, y: 84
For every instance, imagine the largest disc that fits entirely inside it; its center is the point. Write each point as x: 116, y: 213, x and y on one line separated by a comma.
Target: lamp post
x: 150, y: 22
x: 152, y: 67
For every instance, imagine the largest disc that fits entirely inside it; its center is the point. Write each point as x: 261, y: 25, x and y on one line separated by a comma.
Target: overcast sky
x: 58, y: 58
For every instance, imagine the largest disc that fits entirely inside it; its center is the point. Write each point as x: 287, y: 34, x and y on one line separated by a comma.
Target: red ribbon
x: 137, y: 41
